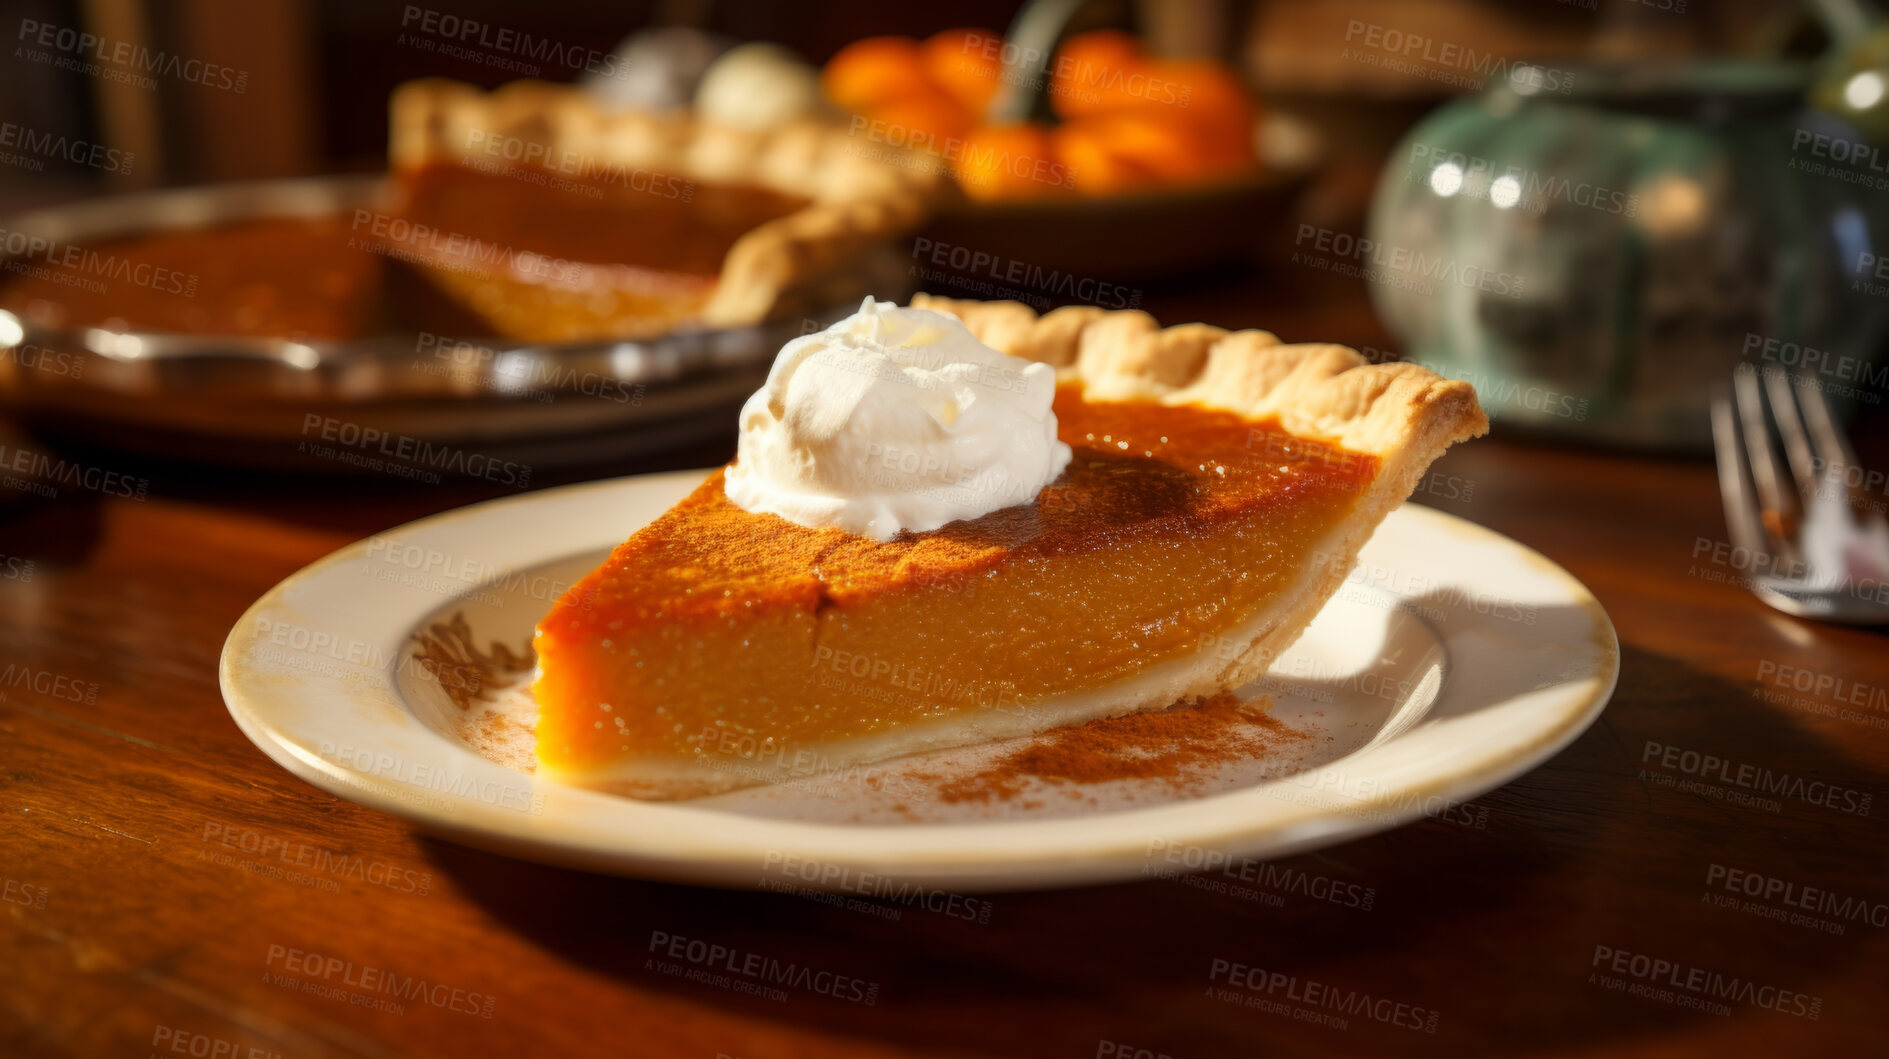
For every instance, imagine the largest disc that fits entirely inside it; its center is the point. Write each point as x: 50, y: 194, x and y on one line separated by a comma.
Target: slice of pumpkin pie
x: 959, y: 522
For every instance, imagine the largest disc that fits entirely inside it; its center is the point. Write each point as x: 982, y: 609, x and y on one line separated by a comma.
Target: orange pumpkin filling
x: 282, y: 278
x: 465, y: 252
x: 541, y: 256
x: 714, y: 624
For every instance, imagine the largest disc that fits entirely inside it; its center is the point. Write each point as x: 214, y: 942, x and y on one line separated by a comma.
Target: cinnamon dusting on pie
x: 448, y: 653
x: 1174, y: 747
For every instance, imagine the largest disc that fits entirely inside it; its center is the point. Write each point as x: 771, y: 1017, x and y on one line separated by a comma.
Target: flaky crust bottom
x: 1402, y: 414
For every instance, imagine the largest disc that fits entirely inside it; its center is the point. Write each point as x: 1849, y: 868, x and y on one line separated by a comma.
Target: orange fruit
x: 1148, y: 145
x: 967, y: 63
x: 1091, y: 72
x: 925, y: 120
x: 1085, y: 146
x: 1011, y: 162
x: 873, y: 70
x: 1210, y: 97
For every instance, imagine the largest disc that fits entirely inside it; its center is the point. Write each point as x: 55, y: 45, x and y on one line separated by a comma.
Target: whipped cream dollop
x: 895, y: 419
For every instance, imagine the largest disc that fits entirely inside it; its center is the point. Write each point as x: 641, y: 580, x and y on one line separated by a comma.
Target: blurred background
x: 321, y: 72
x: 1593, y: 209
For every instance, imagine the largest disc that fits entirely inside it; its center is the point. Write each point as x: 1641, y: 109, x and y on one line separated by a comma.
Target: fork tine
x: 1741, y: 508
x: 1838, y: 458
x: 1778, y: 504
x: 1832, y: 447
x: 1777, y: 386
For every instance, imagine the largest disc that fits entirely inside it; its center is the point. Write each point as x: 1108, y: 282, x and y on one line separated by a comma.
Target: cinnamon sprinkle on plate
x: 1172, y: 746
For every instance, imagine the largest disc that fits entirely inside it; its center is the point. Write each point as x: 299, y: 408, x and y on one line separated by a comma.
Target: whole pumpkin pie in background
x: 1195, y: 499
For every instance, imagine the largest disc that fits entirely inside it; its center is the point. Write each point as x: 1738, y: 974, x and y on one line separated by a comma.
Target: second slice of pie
x: 1217, y: 491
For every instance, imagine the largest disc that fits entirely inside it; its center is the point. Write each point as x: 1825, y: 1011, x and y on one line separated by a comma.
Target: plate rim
x: 1013, y: 854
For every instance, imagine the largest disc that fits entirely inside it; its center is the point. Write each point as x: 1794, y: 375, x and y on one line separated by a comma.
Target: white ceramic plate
x: 1452, y: 661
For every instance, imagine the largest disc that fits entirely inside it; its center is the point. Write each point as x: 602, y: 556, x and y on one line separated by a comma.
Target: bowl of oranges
x: 1096, y: 157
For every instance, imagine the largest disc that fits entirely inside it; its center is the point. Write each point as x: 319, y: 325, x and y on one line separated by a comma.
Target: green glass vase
x: 1595, y: 256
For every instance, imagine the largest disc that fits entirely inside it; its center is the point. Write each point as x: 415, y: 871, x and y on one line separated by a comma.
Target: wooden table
x: 158, y: 898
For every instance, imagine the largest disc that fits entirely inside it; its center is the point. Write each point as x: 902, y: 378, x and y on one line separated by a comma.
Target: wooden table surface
x: 153, y: 902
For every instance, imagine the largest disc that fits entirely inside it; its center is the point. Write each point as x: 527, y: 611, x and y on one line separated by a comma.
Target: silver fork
x: 1817, y: 541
